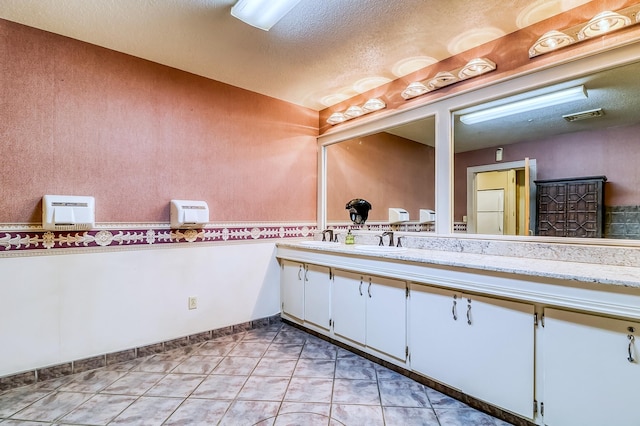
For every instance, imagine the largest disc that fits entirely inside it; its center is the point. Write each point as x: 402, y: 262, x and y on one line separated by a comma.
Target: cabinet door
x: 436, y: 321
x: 292, y: 288
x: 348, y: 305
x: 588, y: 378
x: 387, y: 316
x: 317, y: 295
x: 499, y: 352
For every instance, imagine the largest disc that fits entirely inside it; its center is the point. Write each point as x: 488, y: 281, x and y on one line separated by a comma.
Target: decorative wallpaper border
x: 16, y: 238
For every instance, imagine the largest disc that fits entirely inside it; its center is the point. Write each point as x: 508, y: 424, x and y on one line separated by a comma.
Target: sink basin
x: 318, y: 244
x: 380, y: 249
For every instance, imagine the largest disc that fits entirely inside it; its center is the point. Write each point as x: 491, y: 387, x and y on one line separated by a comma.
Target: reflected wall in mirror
x: 605, y: 144
x: 394, y: 168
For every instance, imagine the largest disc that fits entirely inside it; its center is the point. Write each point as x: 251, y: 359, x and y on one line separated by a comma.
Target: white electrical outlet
x: 193, y: 302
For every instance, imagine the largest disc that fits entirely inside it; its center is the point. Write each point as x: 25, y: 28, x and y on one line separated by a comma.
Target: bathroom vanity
x: 545, y: 331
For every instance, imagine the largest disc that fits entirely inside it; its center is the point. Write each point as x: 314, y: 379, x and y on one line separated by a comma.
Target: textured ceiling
x: 319, y: 54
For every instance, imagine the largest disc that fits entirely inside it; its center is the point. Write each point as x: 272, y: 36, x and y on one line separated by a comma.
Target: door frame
x: 498, y: 167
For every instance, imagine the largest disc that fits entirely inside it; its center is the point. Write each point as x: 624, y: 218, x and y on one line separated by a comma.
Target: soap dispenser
x: 349, y: 238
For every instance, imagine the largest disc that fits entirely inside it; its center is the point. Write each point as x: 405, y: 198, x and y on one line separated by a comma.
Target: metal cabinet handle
x: 454, y: 311
x: 306, y: 269
x: 469, y: 312
x: 631, y: 339
x: 360, y: 288
x: 300, y: 272
x: 369, y: 289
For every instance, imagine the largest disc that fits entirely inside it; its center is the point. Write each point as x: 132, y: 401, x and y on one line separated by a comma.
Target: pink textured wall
x: 612, y: 152
x: 386, y: 170
x: 78, y: 119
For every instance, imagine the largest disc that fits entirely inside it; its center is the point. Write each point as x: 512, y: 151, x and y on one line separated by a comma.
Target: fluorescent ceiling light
x: 262, y: 14
x: 530, y: 104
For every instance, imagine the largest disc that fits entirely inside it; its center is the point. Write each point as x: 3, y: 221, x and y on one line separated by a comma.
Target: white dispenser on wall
x: 189, y: 214
x: 397, y: 215
x: 68, y: 213
x: 427, y: 216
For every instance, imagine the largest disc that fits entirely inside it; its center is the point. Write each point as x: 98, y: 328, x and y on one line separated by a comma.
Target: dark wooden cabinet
x: 570, y: 207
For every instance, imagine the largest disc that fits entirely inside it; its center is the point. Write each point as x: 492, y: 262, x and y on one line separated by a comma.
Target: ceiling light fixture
x: 354, y: 111
x: 529, y: 104
x: 262, y: 14
x: 602, y: 23
x: 473, y: 68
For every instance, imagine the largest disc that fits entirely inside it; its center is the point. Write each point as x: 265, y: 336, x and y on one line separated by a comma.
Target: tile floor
x: 277, y: 375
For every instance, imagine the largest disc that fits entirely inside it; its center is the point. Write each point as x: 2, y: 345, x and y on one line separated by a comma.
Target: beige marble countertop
x: 626, y: 276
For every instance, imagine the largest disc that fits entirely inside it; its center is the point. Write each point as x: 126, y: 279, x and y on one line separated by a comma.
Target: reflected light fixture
x: 354, y: 111
x: 262, y: 14
x: 549, y: 99
x: 603, y: 23
x: 473, y: 68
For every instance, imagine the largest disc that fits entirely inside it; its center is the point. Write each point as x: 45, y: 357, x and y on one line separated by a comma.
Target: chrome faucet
x: 384, y: 234
x: 324, y: 235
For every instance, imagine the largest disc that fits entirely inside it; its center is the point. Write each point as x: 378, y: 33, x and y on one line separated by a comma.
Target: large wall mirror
x: 521, y: 174
x: 391, y: 168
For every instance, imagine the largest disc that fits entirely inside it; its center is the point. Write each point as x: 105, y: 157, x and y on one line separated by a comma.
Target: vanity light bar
x: 354, y: 111
x: 603, y: 23
x: 554, y: 98
x: 473, y: 68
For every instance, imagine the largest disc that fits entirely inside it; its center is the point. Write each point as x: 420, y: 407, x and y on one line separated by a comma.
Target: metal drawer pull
x: 306, y: 269
x: 454, y: 310
x: 360, y: 288
x: 369, y: 290
x: 469, y: 313
x: 299, y: 272
x: 631, y: 339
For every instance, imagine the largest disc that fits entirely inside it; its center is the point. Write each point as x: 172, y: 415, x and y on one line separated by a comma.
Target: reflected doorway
x: 501, y: 198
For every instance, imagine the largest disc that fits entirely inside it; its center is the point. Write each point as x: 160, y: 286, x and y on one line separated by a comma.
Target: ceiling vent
x: 584, y: 115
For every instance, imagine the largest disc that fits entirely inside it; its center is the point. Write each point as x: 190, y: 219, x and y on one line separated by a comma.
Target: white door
x: 387, y: 316
x: 589, y: 379
x: 292, y: 289
x: 317, y: 296
x: 348, y: 305
x: 436, y: 321
x: 499, y: 351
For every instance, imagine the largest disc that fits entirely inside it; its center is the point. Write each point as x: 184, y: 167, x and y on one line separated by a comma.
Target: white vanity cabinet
x: 370, y: 311
x: 317, y: 296
x: 480, y: 345
x: 292, y: 289
x: 591, y: 370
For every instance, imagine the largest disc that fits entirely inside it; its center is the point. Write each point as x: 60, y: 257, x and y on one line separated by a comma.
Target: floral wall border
x: 22, y: 238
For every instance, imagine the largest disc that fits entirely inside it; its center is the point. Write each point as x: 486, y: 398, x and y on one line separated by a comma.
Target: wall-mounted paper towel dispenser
x: 189, y: 214
x: 68, y: 213
x: 397, y: 215
x: 427, y: 216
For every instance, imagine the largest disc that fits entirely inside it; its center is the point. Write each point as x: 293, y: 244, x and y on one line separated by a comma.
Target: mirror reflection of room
x: 394, y: 168
x: 585, y: 180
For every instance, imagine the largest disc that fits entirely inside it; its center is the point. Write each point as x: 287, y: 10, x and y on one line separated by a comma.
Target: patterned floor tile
x: 99, y: 410
x: 403, y: 393
x: 357, y: 415
x: 52, y: 406
x: 220, y: 387
x: 148, y: 411
x: 309, y: 389
x: 365, y: 392
x: 177, y: 385
x: 198, y: 412
x: 275, y: 367
x: 404, y: 416
x: 242, y: 366
x: 250, y: 413
x: 198, y: 364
